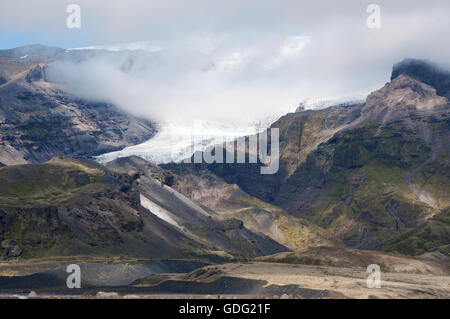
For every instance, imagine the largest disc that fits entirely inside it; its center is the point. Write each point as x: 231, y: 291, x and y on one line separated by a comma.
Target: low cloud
x: 235, y: 60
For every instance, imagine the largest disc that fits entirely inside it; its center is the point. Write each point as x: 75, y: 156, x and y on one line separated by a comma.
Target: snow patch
x: 158, y: 211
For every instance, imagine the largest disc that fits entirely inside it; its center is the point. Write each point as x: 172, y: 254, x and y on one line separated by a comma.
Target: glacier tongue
x: 177, y: 141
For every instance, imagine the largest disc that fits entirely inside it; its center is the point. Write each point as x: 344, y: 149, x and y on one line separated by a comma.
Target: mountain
x: 40, y: 119
x: 369, y: 174
x: 36, y: 52
x: 17, y: 60
x: 79, y: 207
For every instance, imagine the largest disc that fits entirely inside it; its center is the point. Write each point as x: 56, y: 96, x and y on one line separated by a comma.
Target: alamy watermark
x: 73, y: 21
x: 374, y: 279
x: 374, y: 19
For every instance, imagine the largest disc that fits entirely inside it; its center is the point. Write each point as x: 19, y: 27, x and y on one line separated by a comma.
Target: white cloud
x: 294, y: 45
x: 234, y: 59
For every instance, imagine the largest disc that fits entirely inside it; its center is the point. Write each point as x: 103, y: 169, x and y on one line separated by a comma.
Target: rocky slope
x: 76, y: 207
x: 17, y: 60
x: 431, y: 239
x: 39, y: 119
x: 198, y: 222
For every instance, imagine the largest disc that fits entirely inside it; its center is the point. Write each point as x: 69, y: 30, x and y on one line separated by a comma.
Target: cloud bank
x: 234, y: 60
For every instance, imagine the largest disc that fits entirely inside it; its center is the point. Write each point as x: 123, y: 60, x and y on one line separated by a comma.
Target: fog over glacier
x: 176, y: 141
x: 227, y: 64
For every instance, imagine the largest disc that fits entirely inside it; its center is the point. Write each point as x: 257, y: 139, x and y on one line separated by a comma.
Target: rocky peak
x: 426, y: 72
x: 34, y: 52
x: 38, y: 73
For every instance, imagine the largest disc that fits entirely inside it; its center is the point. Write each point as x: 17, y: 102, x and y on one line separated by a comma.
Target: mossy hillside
x: 373, y: 216
x: 259, y: 216
x: 371, y: 208
x: 46, y: 184
x: 96, y: 226
x: 294, y: 233
x: 66, y: 207
x: 298, y: 134
x: 390, y: 147
x: 434, y: 177
x: 236, y: 239
x: 433, y: 236
x: 301, y: 235
x: 37, y: 234
x: 243, y: 198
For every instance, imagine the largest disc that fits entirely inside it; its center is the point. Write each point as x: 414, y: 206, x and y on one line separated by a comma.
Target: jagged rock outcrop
x: 38, y: 73
x: 404, y: 100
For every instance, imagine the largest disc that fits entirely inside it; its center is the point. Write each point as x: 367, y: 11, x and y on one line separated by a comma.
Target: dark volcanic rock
x: 11, y: 248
